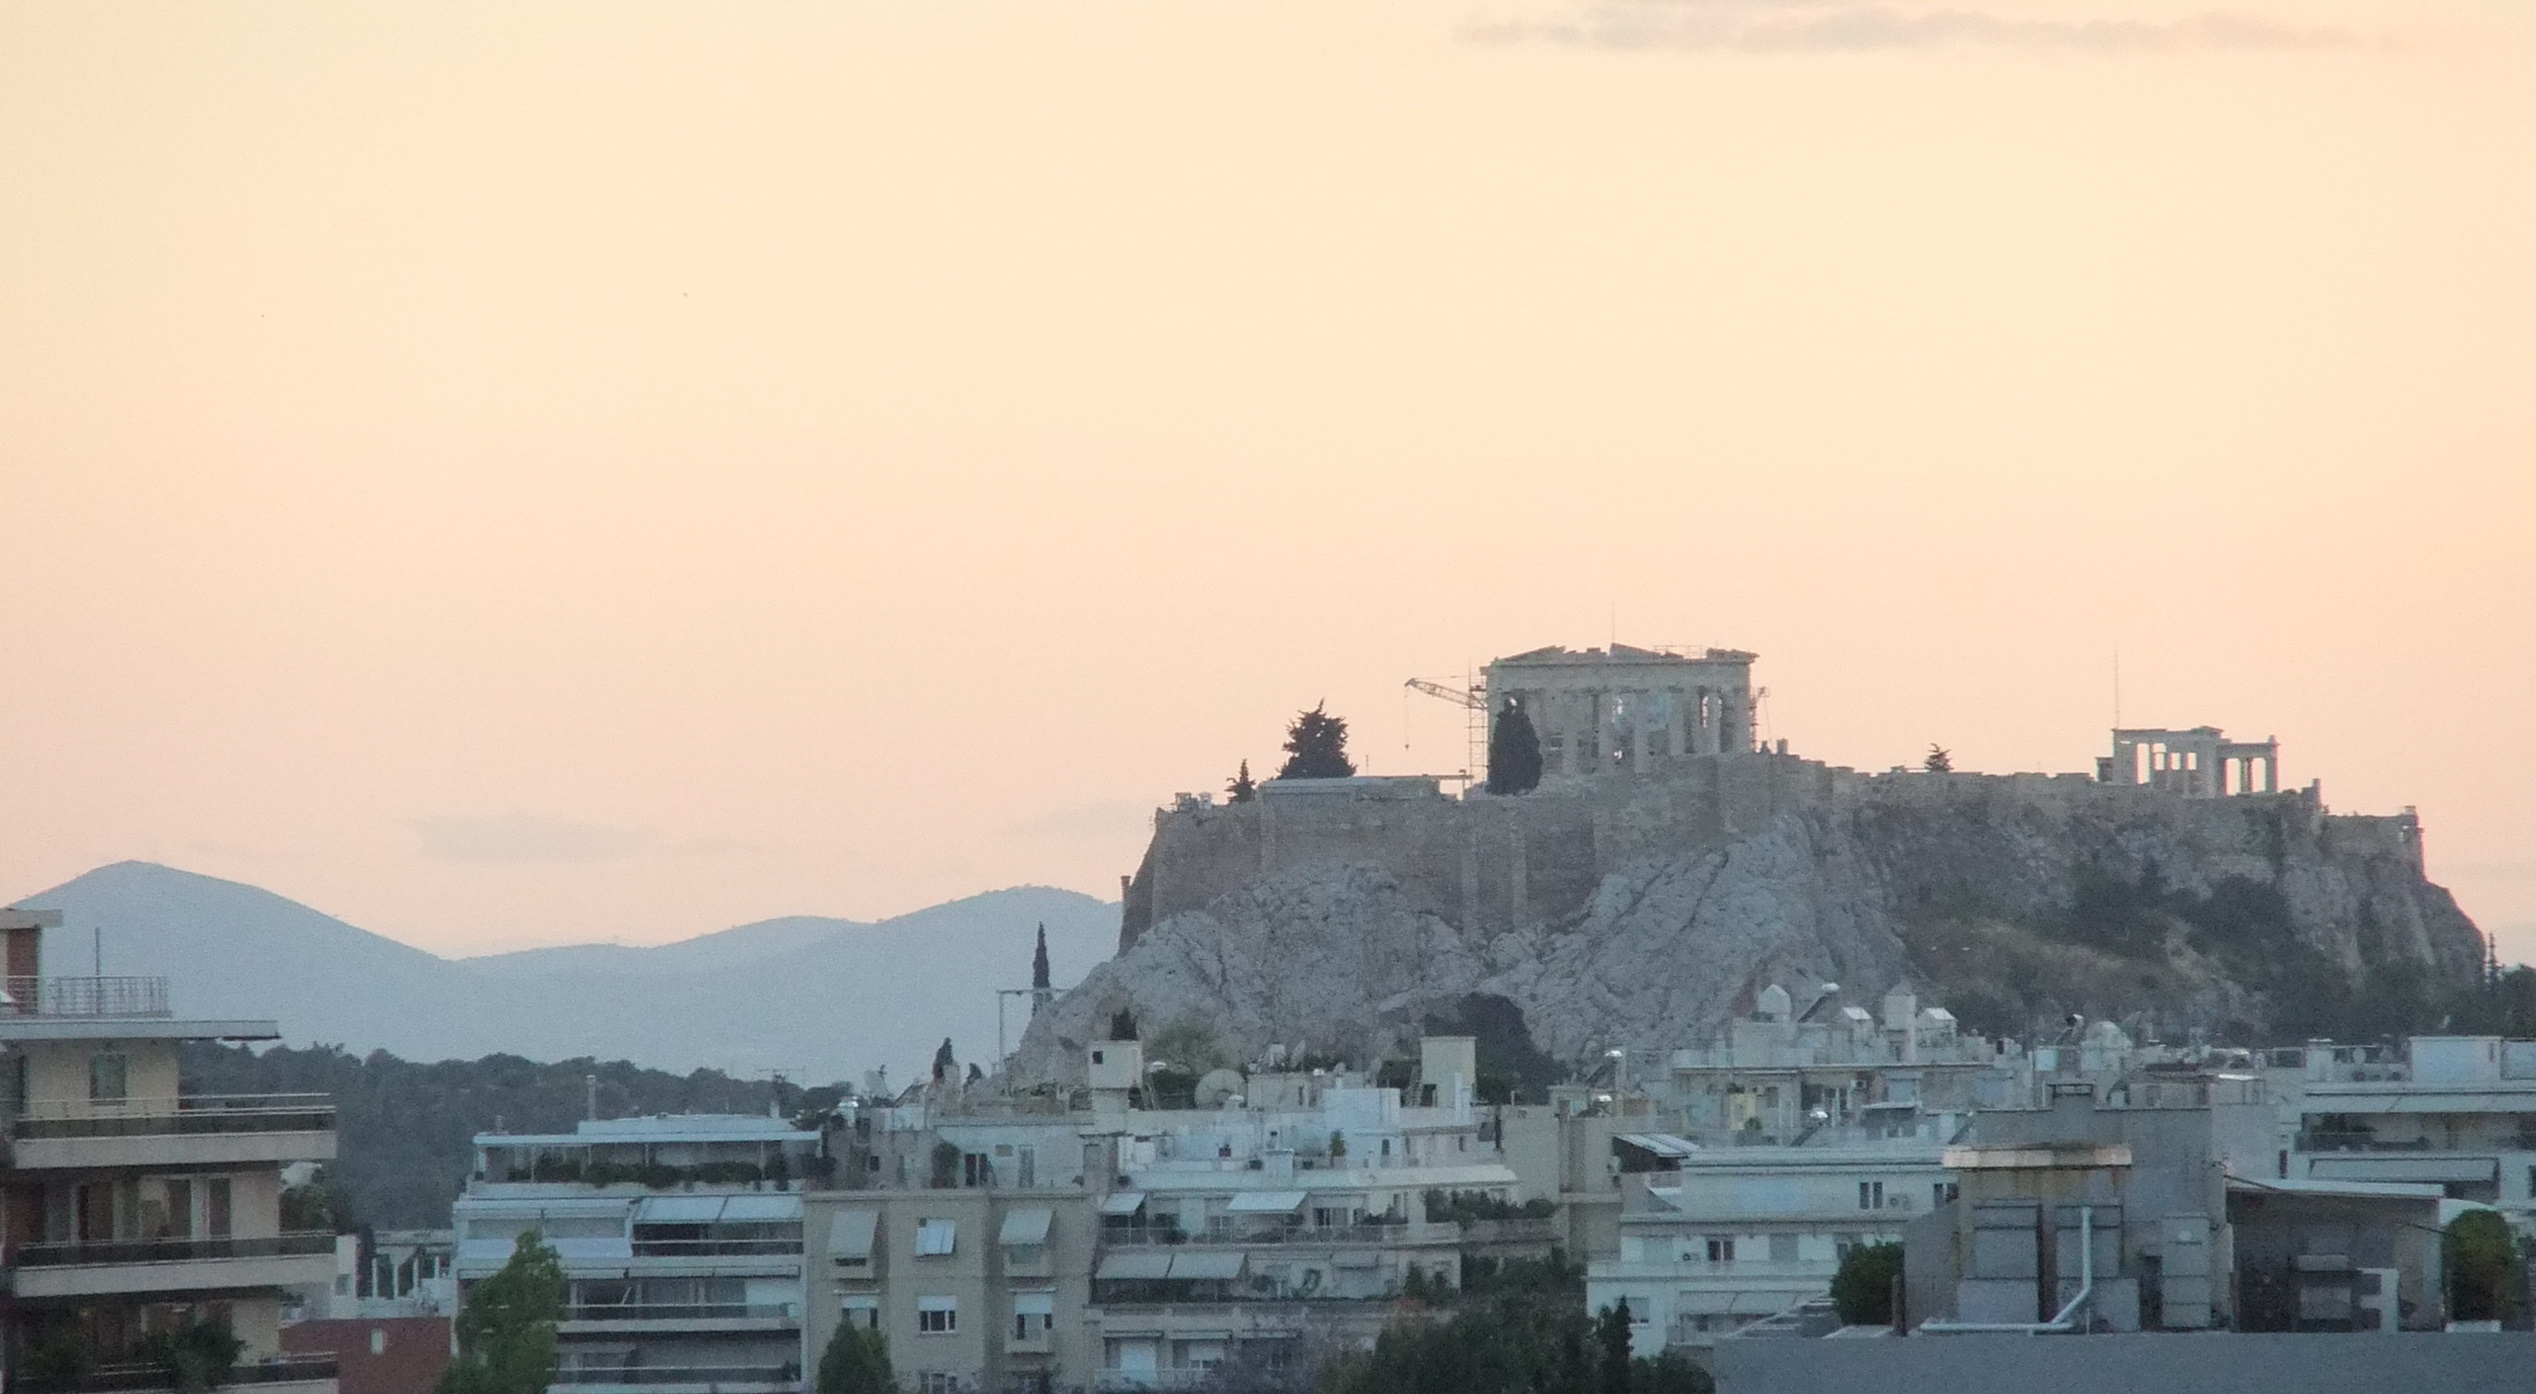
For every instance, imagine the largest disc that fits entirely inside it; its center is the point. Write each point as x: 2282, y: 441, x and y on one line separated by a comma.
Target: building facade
x: 681, y: 1243
x: 131, y: 1208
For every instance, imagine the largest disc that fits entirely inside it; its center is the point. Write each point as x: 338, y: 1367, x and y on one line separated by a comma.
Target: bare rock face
x: 1646, y: 915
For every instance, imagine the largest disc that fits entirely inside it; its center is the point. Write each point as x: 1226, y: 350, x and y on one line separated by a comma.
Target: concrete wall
x: 2219, y: 1363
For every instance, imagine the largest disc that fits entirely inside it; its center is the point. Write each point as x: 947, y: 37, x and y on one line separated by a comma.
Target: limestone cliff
x: 1644, y: 912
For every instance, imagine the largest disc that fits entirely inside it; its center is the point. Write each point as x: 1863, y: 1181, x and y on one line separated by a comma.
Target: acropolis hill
x: 1668, y: 866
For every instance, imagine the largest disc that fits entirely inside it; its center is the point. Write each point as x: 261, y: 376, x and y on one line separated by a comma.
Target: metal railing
x: 1134, y: 1237
x: 185, y: 1114
x: 110, y: 1251
x: 111, y: 1379
x: 713, y: 1248
x: 677, y: 1374
x: 1188, y: 1377
x: 108, y: 997
x: 690, y: 1311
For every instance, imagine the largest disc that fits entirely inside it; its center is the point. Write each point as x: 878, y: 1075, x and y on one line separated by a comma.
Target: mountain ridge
x: 812, y: 996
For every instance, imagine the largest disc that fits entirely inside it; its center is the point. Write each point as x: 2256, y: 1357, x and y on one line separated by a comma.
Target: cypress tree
x: 1039, y: 961
x: 1243, y: 789
x: 1316, y: 746
x: 1514, y: 753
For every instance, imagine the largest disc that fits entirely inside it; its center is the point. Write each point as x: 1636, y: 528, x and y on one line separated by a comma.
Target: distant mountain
x: 821, y: 999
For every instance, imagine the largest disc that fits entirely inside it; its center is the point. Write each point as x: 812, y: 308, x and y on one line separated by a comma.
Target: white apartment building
x: 681, y: 1243
x: 2458, y: 1112
x: 130, y: 1207
x: 1120, y: 1247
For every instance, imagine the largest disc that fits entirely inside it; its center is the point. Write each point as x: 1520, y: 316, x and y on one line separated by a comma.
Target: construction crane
x: 1472, y: 697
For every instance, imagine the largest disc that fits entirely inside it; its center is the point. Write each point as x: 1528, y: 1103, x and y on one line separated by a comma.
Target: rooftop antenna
x: 2117, y: 689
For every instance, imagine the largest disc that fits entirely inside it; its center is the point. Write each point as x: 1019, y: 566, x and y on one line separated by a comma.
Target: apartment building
x: 129, y: 1207
x: 1792, y: 1066
x: 1104, y: 1244
x: 681, y: 1243
x: 2454, y: 1112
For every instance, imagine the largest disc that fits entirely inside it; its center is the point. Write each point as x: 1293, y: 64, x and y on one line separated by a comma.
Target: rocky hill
x: 1644, y: 913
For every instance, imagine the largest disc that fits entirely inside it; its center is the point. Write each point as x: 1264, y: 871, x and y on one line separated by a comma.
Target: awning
x: 1025, y: 1227
x: 1267, y: 1202
x: 850, y: 1237
x: 1218, y: 1266
x: 2397, y: 1167
x: 761, y: 1209
x: 1122, y: 1202
x: 678, y: 1210
x: 1660, y: 1144
x: 1133, y: 1265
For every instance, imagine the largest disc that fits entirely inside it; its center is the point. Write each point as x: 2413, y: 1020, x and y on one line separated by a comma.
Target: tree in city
x: 1316, y: 746
x: 2484, y: 1264
x: 945, y: 1068
x: 193, y: 1357
x: 506, y: 1330
x: 856, y: 1362
x: 1611, y: 1343
x: 1039, y: 961
x: 1243, y: 788
x: 1940, y: 760
x: 1863, y: 1288
x: 1514, y: 753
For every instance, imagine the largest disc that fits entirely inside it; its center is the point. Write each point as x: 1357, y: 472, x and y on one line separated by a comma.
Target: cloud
x: 532, y: 837
x: 1810, y: 26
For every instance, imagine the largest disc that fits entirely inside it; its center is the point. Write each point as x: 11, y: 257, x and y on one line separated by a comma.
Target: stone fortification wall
x: 1645, y: 911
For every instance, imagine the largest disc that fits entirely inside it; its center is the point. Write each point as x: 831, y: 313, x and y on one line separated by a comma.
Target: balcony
x: 594, y: 1318
x: 691, y: 1379
x: 118, y: 1266
x: 85, y: 997
x: 191, y: 1130
x: 1136, y: 1236
x: 1122, y: 1381
x: 117, y: 1379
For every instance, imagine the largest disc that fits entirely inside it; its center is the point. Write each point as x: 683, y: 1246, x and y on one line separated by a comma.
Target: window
x: 1026, y: 1167
x: 1940, y: 1192
x: 1871, y: 1195
x: 216, y: 1207
x: 1721, y: 1251
x: 937, y: 1382
x: 1034, y: 1315
x: 109, y: 1078
x: 935, y: 1238
x: 863, y: 1313
x: 937, y: 1316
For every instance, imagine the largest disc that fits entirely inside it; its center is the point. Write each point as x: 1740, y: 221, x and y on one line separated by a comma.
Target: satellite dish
x: 1217, y: 1086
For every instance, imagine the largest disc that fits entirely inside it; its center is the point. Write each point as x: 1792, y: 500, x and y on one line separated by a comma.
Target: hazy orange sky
x: 509, y: 474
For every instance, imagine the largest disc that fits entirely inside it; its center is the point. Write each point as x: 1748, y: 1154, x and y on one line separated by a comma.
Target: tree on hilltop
x: 1940, y: 760
x: 1243, y: 788
x: 1316, y: 746
x: 1514, y: 753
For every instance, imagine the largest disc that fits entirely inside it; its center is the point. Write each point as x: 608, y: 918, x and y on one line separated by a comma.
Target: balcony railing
x: 693, y: 1311
x: 117, y: 1251
x: 105, y: 997
x: 110, y: 1379
x: 188, y: 1114
x: 713, y: 1248
x: 677, y: 1374
x: 1124, y: 1381
x: 1133, y: 1236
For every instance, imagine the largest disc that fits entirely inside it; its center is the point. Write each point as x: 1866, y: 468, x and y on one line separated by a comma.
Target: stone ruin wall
x: 2005, y: 843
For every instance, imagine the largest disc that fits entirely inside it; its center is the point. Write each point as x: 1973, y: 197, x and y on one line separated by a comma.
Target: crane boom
x: 1462, y: 696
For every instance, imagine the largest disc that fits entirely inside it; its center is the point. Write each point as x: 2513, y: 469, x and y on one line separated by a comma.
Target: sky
x: 513, y: 475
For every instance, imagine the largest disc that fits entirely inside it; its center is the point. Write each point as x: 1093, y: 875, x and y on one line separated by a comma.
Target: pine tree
x: 1316, y: 746
x: 856, y: 1362
x: 1514, y: 753
x: 1039, y: 961
x: 1940, y: 760
x: 1243, y: 788
x: 506, y: 1330
x: 1611, y: 1336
